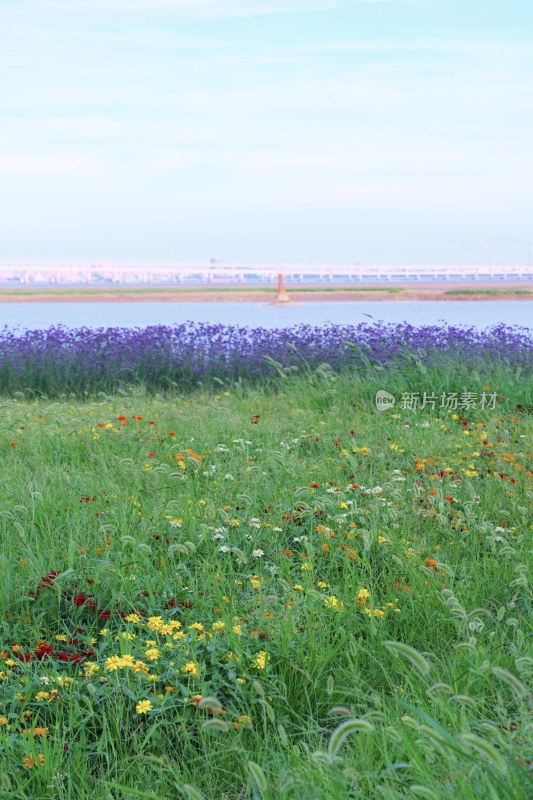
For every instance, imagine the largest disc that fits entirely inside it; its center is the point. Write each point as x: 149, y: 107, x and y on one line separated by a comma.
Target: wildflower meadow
x: 228, y: 574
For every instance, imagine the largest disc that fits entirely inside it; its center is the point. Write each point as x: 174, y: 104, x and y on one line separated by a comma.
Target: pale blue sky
x: 267, y: 130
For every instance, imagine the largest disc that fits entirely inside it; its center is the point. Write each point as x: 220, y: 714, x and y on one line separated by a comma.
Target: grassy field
x: 268, y: 592
x: 491, y: 292
x: 201, y: 288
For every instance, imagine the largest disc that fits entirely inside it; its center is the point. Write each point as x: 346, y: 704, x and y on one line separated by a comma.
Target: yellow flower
x: 255, y: 581
x: 191, y: 667
x: 379, y: 614
x: 298, y: 587
x: 260, y: 661
x: 127, y: 661
x: 42, y: 696
x: 154, y: 623
x: 322, y: 585
x: 133, y: 618
x: 196, y: 626
x: 104, y: 632
x: 91, y: 669
x: 113, y: 663
x: 333, y: 602
x: 152, y: 654
x: 4, y: 721
x: 165, y: 629
x: 237, y: 630
x: 363, y: 595
x: 218, y: 626
x: 143, y: 707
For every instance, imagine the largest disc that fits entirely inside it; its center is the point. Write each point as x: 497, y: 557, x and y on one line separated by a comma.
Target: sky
x: 347, y: 131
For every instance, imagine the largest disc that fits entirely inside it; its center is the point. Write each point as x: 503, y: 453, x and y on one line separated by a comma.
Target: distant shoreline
x: 466, y: 292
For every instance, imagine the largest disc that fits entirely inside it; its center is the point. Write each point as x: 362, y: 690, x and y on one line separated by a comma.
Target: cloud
x: 21, y: 164
x: 189, y: 9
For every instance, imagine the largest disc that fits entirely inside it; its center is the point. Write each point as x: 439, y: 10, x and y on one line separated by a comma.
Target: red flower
x: 137, y: 418
x: 79, y: 599
x: 61, y: 656
x: 121, y: 418
x: 25, y: 657
x: 43, y: 650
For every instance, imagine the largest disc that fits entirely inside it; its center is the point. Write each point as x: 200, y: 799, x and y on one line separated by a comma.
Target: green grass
x: 419, y: 516
x: 495, y: 292
x: 176, y: 289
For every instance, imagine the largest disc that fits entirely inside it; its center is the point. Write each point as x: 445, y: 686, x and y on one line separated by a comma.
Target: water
x: 129, y: 315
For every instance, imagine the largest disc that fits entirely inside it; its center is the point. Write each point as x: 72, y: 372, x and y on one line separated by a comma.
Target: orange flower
x: 431, y: 563
x: 32, y: 761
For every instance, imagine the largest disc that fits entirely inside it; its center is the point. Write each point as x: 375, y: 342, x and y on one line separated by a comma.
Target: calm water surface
x: 98, y: 315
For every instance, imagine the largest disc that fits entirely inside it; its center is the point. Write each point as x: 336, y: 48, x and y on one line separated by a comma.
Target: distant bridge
x: 99, y: 273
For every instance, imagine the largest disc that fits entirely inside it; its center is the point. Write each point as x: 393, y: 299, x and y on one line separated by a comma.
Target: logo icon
x: 384, y: 400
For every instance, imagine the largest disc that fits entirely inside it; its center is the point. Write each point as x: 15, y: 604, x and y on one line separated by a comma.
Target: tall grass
x: 358, y: 582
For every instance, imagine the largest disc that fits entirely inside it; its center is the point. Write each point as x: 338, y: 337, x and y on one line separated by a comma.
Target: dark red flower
x: 43, y: 650
x: 25, y: 657
x: 79, y: 599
